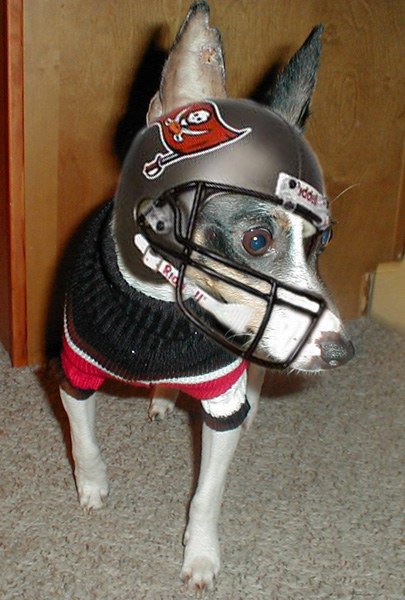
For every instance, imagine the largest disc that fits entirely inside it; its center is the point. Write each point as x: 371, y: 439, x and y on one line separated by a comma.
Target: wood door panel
x: 13, y: 325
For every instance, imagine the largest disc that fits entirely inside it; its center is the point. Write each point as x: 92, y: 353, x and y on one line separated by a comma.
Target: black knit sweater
x: 128, y: 333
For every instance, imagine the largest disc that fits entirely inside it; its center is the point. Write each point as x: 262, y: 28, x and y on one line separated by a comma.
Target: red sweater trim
x: 84, y: 375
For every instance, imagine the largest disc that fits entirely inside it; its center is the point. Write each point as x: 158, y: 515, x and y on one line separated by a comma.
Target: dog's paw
x: 160, y: 408
x: 201, y: 565
x: 199, y: 575
x: 92, y: 487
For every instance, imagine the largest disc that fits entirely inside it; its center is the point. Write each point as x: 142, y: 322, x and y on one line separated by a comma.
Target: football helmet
x: 191, y: 158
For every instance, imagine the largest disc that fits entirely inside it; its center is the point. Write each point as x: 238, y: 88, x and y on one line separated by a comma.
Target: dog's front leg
x: 254, y: 387
x: 202, y: 556
x: 90, y: 469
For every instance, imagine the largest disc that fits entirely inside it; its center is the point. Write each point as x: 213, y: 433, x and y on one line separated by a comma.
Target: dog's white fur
x: 194, y: 71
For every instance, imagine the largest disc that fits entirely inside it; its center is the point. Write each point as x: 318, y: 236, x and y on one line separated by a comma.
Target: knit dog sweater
x: 111, y: 330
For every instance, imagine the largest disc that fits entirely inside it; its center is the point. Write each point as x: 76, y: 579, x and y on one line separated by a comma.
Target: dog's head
x: 231, y: 195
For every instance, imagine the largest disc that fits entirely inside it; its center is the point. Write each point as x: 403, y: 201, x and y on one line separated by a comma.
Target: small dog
x: 205, y: 261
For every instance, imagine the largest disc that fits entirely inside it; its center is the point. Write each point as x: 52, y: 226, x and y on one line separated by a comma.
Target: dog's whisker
x: 248, y: 334
x: 344, y: 192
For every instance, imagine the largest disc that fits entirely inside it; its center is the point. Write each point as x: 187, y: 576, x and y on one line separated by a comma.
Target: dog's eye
x: 323, y: 240
x: 257, y: 241
x: 315, y: 245
x: 326, y: 237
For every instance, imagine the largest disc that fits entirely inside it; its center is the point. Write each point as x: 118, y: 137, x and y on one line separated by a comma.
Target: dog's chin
x: 308, y: 361
x: 304, y: 370
x: 314, y: 366
x: 310, y: 366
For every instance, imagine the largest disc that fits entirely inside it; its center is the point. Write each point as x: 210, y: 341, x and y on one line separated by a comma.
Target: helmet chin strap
x: 234, y: 316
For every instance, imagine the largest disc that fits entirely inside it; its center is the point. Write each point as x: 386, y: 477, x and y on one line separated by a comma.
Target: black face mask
x: 169, y: 224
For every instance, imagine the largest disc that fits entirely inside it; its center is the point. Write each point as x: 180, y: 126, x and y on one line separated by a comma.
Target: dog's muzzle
x: 203, y: 279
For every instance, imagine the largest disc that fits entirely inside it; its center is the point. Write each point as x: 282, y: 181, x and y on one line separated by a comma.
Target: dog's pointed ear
x: 292, y: 92
x: 195, y: 67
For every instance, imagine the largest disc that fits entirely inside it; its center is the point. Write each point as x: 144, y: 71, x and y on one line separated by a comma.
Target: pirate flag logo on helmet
x: 191, y: 131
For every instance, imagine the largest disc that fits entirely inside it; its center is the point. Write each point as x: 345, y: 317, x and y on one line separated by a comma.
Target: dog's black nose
x: 336, y: 350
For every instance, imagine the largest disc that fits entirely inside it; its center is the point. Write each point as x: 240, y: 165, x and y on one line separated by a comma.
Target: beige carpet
x: 314, y: 507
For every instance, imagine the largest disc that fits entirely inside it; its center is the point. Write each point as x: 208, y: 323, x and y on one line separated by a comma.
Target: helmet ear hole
x: 154, y: 214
